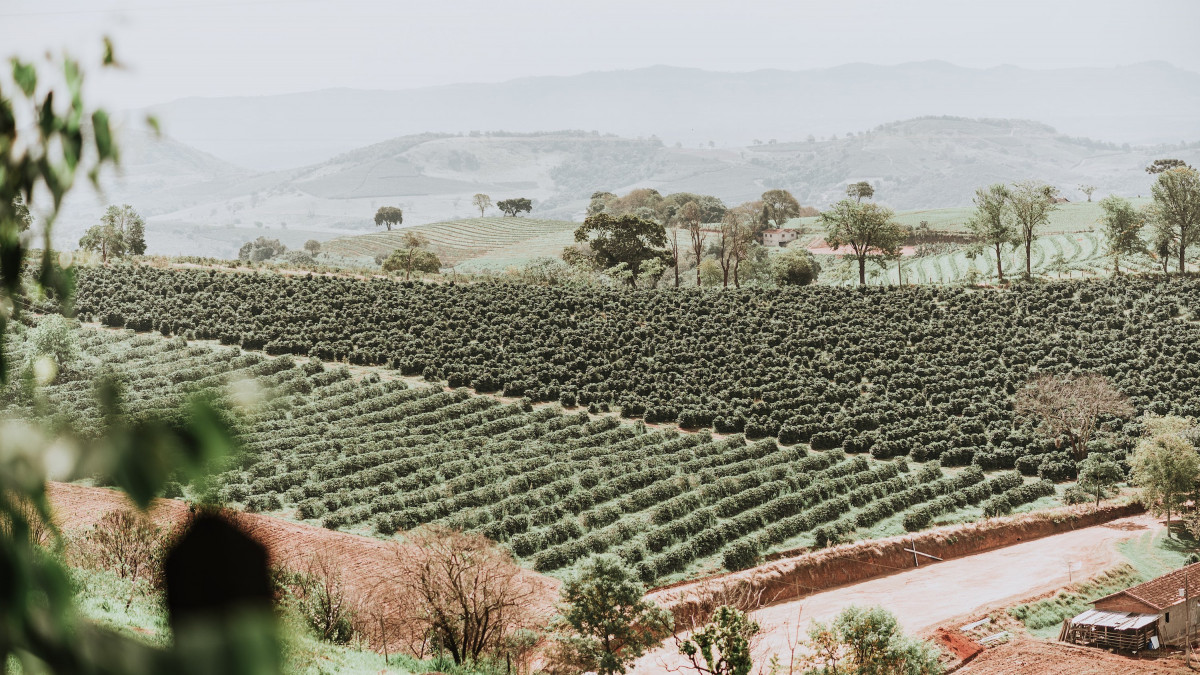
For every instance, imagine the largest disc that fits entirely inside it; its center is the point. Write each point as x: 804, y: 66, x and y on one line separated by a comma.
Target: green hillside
x: 457, y: 241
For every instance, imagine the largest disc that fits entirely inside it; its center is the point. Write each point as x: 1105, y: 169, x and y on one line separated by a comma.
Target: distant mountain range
x: 1144, y: 103
x: 198, y: 204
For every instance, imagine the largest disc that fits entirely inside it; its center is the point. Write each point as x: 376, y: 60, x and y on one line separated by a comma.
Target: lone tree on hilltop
x: 482, y: 202
x: 1176, y: 210
x: 868, y: 230
x: 860, y: 191
x: 389, y: 216
x: 1087, y: 190
x: 779, y: 206
x: 628, y: 240
x: 512, y: 207
x: 1071, y: 406
x: 993, y: 222
x: 1122, y: 226
x: 1032, y: 204
x: 1161, y: 165
x: 312, y: 246
x: 121, y: 232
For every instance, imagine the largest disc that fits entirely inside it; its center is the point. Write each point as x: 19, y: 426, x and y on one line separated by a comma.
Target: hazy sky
x: 178, y: 48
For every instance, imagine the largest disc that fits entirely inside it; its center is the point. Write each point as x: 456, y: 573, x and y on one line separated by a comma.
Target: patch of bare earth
x: 1025, y: 655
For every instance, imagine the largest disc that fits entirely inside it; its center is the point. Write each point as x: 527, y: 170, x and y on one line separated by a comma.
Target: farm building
x: 1142, y: 616
x: 778, y: 237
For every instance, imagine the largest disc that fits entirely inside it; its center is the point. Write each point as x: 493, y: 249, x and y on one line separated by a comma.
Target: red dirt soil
x: 1029, y: 656
x: 363, y: 561
x: 963, y: 647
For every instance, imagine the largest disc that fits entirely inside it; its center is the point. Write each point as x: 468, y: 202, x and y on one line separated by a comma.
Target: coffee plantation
x: 924, y: 372
x: 381, y: 455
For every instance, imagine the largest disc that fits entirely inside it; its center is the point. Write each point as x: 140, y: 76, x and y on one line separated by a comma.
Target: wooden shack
x: 1166, y: 608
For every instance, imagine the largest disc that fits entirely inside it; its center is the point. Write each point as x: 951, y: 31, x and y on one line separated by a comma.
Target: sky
x: 178, y: 48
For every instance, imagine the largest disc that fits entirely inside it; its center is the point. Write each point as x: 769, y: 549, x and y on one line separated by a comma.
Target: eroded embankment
x: 815, y: 571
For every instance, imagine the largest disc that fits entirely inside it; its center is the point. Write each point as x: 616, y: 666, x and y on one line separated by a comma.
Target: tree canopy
x: 795, y: 266
x: 121, y: 232
x: 993, y: 222
x: 627, y: 240
x: 1032, y: 203
x: 389, y: 216
x: 860, y: 191
x: 412, y: 256
x: 1161, y: 165
x: 868, y: 230
x: 512, y: 207
x: 780, y: 206
x: 1165, y: 466
x: 1122, y: 226
x: 609, y: 622
x: 1176, y: 209
x: 261, y: 249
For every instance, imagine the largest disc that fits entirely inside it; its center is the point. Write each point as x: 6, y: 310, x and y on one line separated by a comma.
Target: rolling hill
x: 199, y: 205
x: 499, y: 239
x: 1156, y: 103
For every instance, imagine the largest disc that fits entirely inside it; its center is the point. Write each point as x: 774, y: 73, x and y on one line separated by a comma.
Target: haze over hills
x: 197, y: 204
x: 1151, y: 102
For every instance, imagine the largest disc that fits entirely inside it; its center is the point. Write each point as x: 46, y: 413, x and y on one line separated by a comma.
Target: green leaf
x: 152, y: 122
x: 25, y: 75
x: 104, y: 139
x: 109, y: 59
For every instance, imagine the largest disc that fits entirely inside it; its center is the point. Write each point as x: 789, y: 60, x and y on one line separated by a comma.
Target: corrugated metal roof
x: 1163, y: 592
x: 1114, y: 620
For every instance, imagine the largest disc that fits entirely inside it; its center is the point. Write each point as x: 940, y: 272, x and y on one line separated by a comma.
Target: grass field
x: 457, y: 241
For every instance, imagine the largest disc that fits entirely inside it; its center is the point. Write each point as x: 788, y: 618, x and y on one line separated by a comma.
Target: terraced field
x: 379, y: 455
x: 458, y: 240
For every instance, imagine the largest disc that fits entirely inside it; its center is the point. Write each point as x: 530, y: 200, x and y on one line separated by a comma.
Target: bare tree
x: 128, y: 543
x: 470, y: 593
x: 482, y: 202
x: 690, y: 218
x: 1071, y: 405
x: 326, y: 600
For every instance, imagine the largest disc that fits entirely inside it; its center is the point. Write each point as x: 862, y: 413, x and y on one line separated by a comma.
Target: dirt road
x: 925, y: 597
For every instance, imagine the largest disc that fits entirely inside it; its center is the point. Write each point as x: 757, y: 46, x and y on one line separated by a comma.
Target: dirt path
x: 924, y: 597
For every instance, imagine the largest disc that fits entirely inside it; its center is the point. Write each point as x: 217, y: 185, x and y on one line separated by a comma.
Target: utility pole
x: 1187, y: 616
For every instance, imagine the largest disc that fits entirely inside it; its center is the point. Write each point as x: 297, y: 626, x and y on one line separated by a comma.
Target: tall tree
x: 121, y: 231
x: 609, y: 621
x: 1032, y: 204
x: 600, y: 202
x: 389, y: 216
x: 690, y: 218
x: 482, y: 202
x: 624, y: 239
x: 1166, y: 467
x: 1087, y: 190
x: 860, y: 191
x: 1122, y: 226
x: 1176, y: 208
x: 868, y: 230
x: 779, y: 206
x: 514, y: 206
x: 736, y: 237
x: 993, y: 222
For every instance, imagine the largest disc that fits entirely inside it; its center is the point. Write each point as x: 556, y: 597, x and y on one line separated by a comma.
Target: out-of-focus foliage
x: 47, y: 138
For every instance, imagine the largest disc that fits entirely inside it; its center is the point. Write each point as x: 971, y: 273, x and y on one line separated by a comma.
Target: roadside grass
x: 1043, y: 618
x: 1150, y: 555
